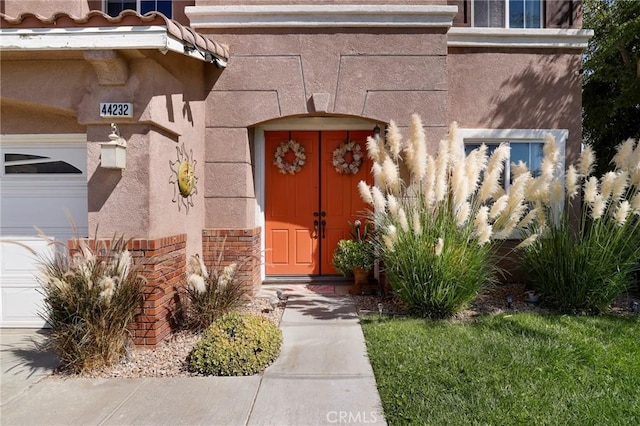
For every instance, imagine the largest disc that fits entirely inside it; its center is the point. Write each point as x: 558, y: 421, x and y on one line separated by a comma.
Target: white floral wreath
x: 298, y: 162
x: 341, y: 164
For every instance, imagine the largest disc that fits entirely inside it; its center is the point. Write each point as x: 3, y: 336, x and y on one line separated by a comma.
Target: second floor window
x: 507, y: 13
x: 114, y: 7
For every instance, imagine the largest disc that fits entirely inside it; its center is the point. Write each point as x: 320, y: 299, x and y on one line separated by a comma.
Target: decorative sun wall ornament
x: 183, y: 178
x: 340, y: 160
x: 298, y: 161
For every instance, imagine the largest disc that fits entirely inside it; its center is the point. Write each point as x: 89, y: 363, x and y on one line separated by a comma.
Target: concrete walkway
x: 322, y: 376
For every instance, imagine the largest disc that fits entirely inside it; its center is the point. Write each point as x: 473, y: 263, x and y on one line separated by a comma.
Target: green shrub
x: 352, y: 254
x: 90, y: 299
x: 584, y: 264
x: 211, y: 293
x: 236, y: 345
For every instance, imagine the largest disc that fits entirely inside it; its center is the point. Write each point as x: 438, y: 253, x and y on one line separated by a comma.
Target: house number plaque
x: 116, y: 109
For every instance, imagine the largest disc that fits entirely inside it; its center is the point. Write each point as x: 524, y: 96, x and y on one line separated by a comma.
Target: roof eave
x: 103, y: 38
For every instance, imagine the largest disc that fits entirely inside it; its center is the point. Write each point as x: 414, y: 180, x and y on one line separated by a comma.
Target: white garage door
x: 42, y: 182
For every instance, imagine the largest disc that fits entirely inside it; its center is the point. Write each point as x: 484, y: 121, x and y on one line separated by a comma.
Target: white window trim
x: 506, y: 15
x: 320, y: 16
x: 520, y: 136
x: 549, y: 38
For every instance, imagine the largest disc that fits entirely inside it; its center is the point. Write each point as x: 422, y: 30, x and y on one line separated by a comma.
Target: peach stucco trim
x: 97, y: 19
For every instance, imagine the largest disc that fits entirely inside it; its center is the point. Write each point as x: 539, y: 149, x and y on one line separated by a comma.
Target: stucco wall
x: 380, y: 74
x: 168, y: 98
x: 61, y: 92
x: 516, y: 89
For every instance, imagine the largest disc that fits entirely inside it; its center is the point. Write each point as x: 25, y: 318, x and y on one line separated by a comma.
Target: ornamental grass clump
x: 583, y: 266
x: 212, y: 292
x: 90, y: 299
x: 435, y: 229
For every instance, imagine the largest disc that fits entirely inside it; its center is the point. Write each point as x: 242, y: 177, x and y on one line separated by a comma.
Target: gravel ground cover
x: 169, y: 358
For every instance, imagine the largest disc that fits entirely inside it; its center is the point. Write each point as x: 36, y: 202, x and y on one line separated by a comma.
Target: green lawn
x: 507, y: 369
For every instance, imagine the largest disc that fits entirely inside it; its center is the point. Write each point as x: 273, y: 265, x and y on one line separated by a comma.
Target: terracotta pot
x: 360, y: 278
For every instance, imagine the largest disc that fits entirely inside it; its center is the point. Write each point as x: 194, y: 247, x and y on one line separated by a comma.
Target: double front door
x: 308, y: 206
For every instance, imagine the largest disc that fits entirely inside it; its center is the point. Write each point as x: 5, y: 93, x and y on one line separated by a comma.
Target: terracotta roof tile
x: 97, y: 18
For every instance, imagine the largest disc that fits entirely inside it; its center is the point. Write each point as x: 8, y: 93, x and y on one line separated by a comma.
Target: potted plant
x: 355, y: 257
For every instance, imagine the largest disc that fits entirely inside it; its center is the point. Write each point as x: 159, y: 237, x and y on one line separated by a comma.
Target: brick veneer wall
x: 238, y: 245
x: 162, y: 262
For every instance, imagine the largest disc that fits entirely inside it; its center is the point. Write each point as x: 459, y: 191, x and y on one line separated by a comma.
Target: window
x: 520, y: 13
x: 530, y: 153
x: 526, y: 146
x: 114, y: 7
x: 36, y: 164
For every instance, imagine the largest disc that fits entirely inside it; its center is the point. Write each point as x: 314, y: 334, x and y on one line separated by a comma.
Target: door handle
x: 315, y: 229
x: 324, y: 228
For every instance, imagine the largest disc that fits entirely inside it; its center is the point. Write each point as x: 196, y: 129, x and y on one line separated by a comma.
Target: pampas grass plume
x: 391, y: 175
x: 417, y: 226
x: 624, y: 155
x: 442, y: 169
x: 416, y: 149
x: 379, y: 176
x: 430, y: 181
x: 498, y: 206
x: 585, y: 163
x: 365, y: 192
x: 373, y: 149
x: 620, y: 185
x: 527, y: 241
x: 591, y: 189
x: 518, y: 169
x: 571, y: 182
x: 394, y: 139
x: 622, y: 213
x: 606, y: 185
x: 402, y: 218
x: 392, y: 204
x: 379, y: 201
x: 556, y: 192
x: 388, y: 242
x: 598, y: 207
x: 462, y: 214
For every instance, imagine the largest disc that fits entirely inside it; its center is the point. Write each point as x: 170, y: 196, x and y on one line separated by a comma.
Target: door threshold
x: 306, y: 279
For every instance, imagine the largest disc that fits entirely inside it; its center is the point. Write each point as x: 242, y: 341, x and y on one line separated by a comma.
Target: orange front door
x: 307, y: 212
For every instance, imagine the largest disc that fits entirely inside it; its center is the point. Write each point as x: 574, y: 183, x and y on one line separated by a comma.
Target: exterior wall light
x: 376, y: 132
x: 113, y: 154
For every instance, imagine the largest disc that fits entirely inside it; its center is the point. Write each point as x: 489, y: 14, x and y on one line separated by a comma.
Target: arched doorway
x: 307, y: 210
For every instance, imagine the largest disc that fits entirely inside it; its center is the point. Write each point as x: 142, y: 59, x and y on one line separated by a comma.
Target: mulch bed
x: 492, y: 301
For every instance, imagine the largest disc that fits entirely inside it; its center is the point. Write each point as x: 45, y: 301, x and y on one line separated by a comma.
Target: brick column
x: 162, y: 262
x: 241, y: 246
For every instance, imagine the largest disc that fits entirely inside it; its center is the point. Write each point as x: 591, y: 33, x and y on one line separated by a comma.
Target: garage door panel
x: 14, y: 299
x: 35, y: 191
x: 21, y: 214
x: 19, y: 256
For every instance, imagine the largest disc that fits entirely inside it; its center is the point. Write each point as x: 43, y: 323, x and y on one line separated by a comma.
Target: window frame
x: 506, y: 23
x: 138, y: 7
x: 476, y: 136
